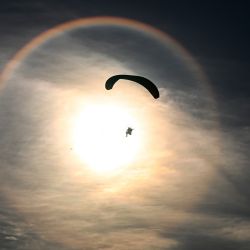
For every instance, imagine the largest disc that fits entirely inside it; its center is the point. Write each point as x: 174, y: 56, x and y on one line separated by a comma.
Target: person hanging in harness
x: 129, y: 131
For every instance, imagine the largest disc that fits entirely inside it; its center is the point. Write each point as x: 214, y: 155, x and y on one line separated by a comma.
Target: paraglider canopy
x: 150, y: 86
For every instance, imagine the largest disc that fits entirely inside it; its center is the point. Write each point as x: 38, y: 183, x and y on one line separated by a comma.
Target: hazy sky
x: 188, y: 185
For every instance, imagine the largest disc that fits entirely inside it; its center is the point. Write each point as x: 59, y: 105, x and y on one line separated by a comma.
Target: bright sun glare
x: 100, y: 140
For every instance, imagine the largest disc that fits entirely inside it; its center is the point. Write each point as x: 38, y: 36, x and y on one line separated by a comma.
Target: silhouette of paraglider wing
x: 150, y: 86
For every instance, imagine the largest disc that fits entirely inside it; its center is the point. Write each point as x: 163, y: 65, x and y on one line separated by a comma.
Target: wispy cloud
x: 188, y: 193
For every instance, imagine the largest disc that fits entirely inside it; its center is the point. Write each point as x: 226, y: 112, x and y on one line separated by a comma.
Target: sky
x: 70, y: 179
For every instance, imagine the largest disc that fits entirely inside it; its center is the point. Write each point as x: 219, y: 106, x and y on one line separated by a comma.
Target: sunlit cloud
x: 70, y: 172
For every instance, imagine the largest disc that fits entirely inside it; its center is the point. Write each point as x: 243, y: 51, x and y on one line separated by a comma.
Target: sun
x: 99, y: 136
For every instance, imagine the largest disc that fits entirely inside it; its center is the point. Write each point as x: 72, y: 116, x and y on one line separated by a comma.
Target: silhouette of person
x: 129, y: 131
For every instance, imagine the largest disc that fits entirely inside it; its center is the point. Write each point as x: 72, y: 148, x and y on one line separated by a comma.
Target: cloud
x: 176, y: 198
